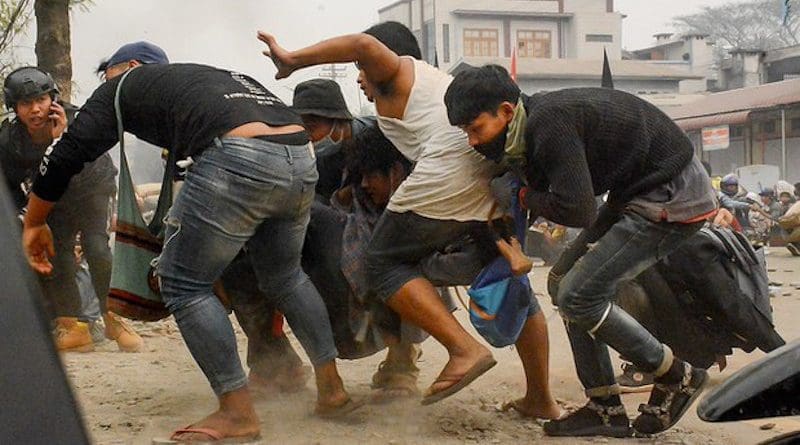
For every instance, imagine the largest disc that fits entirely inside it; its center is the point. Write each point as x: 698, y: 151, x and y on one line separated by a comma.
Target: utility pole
x: 335, y: 72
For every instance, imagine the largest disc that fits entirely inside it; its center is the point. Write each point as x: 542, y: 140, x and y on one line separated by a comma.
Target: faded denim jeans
x: 586, y: 294
x: 247, y: 193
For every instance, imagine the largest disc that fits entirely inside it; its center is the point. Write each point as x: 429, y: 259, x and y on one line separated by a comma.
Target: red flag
x: 514, y: 64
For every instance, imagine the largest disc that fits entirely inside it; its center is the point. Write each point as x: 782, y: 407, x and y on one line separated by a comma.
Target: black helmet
x: 26, y: 83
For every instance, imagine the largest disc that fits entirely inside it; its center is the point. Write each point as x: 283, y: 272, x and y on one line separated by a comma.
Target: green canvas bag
x: 134, y: 291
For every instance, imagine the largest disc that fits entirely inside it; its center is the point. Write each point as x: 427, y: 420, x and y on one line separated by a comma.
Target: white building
x: 691, y: 54
x: 559, y: 43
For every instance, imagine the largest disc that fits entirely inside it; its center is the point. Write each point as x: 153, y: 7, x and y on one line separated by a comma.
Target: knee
x: 96, y: 246
x: 571, y: 306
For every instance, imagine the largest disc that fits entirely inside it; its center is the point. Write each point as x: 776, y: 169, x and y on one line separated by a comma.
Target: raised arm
x: 380, y: 64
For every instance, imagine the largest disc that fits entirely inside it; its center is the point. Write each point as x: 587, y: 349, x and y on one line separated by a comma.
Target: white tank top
x: 450, y: 180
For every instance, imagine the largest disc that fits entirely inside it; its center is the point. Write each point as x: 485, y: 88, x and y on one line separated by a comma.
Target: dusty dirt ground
x: 131, y: 398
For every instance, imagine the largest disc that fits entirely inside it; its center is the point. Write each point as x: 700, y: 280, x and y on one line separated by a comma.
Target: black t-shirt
x: 180, y: 106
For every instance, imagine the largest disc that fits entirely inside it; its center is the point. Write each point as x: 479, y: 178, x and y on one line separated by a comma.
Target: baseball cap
x: 144, y: 52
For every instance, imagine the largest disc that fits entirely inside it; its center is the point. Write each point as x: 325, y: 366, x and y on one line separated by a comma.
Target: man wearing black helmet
x: 33, y: 96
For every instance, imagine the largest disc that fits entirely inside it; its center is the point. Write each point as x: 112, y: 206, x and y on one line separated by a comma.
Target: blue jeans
x: 586, y: 293
x: 240, y: 193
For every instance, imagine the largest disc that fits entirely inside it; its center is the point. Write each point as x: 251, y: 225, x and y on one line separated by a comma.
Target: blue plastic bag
x: 499, y: 303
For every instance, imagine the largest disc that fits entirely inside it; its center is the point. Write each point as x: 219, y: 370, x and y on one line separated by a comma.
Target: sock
x: 674, y: 374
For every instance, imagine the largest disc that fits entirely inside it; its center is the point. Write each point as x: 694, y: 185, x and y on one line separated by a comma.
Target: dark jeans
x: 585, y: 300
x: 89, y: 217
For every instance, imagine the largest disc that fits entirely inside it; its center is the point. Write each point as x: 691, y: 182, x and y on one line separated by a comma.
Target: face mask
x: 510, y: 143
x: 328, y: 140
x: 494, y: 149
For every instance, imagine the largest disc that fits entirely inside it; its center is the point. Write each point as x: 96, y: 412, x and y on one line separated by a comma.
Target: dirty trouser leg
x: 235, y: 186
x: 585, y: 300
x: 94, y: 242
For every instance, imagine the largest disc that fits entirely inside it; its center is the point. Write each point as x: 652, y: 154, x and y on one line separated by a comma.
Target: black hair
x: 477, y: 90
x: 397, y: 37
x: 101, y: 67
x: 369, y: 151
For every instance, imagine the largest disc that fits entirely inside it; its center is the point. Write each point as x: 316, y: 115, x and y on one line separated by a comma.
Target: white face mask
x: 328, y: 139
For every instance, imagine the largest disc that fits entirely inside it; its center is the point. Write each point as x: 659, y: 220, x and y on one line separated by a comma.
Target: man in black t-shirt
x: 252, y: 183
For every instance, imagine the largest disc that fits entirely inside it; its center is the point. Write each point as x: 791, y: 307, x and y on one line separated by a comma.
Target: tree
x: 754, y: 24
x: 52, y: 37
x: 53, y: 43
x: 14, y: 16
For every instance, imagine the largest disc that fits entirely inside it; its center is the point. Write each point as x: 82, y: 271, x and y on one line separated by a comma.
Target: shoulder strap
x: 156, y: 226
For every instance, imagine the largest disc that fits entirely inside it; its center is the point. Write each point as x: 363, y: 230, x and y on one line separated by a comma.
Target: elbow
x: 581, y: 213
x: 365, y: 45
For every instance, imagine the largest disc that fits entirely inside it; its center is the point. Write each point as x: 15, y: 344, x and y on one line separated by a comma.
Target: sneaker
x: 118, y: 330
x: 97, y: 331
x: 594, y: 419
x: 631, y: 377
x: 72, y: 335
x: 669, y: 401
x: 794, y: 248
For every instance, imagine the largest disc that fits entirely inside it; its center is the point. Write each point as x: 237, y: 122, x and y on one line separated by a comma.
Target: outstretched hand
x: 37, y: 242
x: 280, y: 57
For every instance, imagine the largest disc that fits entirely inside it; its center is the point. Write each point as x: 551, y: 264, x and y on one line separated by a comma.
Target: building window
x: 430, y: 44
x: 737, y: 131
x: 793, y: 126
x: 605, y: 38
x: 480, y: 43
x: 446, y: 43
x: 534, y: 44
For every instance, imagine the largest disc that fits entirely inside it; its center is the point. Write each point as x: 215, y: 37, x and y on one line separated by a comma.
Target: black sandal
x: 669, y: 401
x: 594, y: 419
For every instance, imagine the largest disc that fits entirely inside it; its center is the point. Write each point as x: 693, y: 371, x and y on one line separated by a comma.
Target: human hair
x: 370, y: 151
x: 397, y: 37
x: 477, y: 90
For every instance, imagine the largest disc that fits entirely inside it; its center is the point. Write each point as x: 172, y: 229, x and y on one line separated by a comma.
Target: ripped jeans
x: 240, y: 193
x: 586, y: 294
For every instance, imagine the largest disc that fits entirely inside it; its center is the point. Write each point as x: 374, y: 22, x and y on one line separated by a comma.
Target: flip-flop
x: 461, y: 381
x: 215, y: 437
x: 335, y: 412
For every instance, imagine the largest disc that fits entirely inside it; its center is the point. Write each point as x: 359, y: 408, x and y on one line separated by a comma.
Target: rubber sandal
x: 461, y: 382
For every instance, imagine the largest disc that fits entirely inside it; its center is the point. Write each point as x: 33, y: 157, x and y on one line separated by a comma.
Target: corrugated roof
x: 730, y: 103
x: 696, y: 123
x: 578, y: 68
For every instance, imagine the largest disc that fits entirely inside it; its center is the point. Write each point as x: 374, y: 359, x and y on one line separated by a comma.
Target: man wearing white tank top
x: 440, y: 203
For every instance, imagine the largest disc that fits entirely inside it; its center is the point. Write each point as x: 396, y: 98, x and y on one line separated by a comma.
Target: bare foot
x: 534, y: 409
x: 226, y: 424
x: 234, y: 418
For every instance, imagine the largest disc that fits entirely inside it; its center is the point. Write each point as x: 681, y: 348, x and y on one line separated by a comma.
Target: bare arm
x: 380, y: 64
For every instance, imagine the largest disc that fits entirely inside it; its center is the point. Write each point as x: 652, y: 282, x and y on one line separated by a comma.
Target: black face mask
x: 494, y: 149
